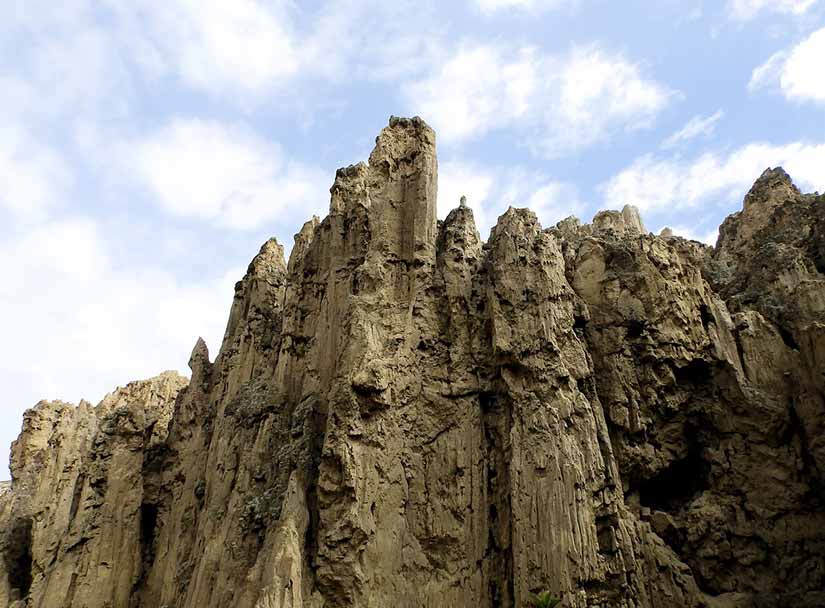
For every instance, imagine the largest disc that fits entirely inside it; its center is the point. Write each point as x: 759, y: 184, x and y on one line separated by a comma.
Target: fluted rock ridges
x: 405, y: 415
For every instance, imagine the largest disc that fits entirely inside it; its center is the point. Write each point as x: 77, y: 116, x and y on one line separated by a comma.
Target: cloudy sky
x: 148, y: 147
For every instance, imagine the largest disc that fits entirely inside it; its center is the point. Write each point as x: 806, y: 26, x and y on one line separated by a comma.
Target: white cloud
x: 457, y: 179
x: 492, y: 6
x: 212, y: 44
x: 698, y: 126
x: 244, y: 51
x: 16, y: 95
x: 265, y: 46
x: 744, y: 10
x: 659, y: 184
x: 365, y: 40
x: 249, y: 50
x: 798, y: 71
x: 708, y: 238
x: 491, y: 190
x: 476, y: 90
x: 224, y: 174
x: 33, y: 177
x: 803, y: 76
x: 769, y: 72
x: 70, y: 248
x: 65, y: 63
x: 600, y: 93
x: 80, y: 324
x: 567, y: 102
x: 555, y: 201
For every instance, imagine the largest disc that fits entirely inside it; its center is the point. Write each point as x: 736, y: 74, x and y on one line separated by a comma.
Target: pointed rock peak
x: 624, y: 222
x: 171, y: 376
x: 349, y: 188
x: 400, y: 190
x: 350, y: 173
x: 774, y: 186
x: 199, y: 356
x: 570, y: 220
x: 569, y: 227
x: 270, y: 258
x: 633, y: 220
x: 775, y: 175
x: 773, y: 189
x: 308, y: 229
x: 199, y: 363
x: 272, y: 248
x: 403, y: 140
x: 302, y: 242
x: 459, y: 230
x: 515, y: 220
x: 461, y: 214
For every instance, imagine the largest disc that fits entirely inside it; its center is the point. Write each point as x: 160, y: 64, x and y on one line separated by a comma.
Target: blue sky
x: 148, y: 147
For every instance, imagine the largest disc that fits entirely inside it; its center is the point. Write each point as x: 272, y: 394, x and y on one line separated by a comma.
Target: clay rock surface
x: 403, y: 414
x: 73, y: 520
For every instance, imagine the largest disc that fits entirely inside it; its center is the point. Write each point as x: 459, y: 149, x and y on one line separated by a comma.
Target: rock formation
x: 405, y: 415
x: 75, y: 519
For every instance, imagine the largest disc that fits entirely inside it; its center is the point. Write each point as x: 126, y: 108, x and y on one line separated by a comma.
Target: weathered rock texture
x: 403, y: 415
x: 75, y: 521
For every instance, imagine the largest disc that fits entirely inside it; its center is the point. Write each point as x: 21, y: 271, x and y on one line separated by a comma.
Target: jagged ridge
x: 405, y: 415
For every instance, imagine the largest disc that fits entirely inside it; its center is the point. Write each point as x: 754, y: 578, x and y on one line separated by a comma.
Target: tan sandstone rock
x: 403, y: 415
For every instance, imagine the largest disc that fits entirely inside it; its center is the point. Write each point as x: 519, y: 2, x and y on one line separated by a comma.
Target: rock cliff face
x: 404, y: 415
x: 74, y: 521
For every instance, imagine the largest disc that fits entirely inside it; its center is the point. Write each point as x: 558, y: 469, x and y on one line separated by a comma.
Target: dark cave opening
x: 77, y: 492
x: 697, y: 372
x: 787, y: 338
x: 677, y: 484
x: 318, y: 420
x: 148, y: 526
x: 707, y: 316
x: 606, y: 526
x: 497, y: 423
x: 18, y: 556
x: 635, y: 328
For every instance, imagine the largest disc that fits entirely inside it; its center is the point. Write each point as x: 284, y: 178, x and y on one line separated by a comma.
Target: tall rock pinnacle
x: 398, y: 187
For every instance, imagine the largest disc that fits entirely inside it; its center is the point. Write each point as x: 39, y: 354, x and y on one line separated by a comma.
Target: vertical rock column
x: 383, y: 221
x: 558, y: 475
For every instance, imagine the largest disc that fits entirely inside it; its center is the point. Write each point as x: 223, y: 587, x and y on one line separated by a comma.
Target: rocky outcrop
x: 711, y: 410
x: 771, y: 261
x: 75, y: 519
x: 403, y: 414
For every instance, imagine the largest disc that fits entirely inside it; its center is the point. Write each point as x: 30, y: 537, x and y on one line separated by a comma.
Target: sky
x: 149, y: 147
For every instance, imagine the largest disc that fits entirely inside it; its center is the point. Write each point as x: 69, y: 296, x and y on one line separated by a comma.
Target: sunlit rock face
x: 404, y: 415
